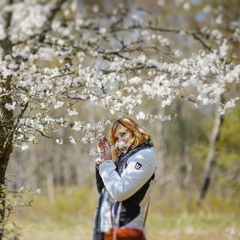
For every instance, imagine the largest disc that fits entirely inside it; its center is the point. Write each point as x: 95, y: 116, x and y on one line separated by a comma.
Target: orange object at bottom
x: 124, y: 234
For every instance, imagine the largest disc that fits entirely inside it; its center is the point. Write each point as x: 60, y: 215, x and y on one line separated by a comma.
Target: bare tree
x: 211, y: 158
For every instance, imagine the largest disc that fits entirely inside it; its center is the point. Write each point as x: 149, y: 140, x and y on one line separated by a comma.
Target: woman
x: 124, y: 174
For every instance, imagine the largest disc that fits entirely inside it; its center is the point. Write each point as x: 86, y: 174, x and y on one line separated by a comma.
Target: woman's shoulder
x: 147, y: 154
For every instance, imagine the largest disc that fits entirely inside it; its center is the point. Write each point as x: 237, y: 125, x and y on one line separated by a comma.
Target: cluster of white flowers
x: 117, y: 64
x: 46, y: 54
x: 187, y: 6
x: 229, y: 104
x: 24, y: 146
x: 72, y: 139
x: 93, y: 152
x: 142, y: 116
x: 161, y: 3
x: 27, y: 17
x: 77, y: 125
x: 72, y: 112
x: 9, y: 106
x: 58, y: 104
x: 59, y: 141
x: 135, y: 80
x: 163, y: 41
x: 93, y: 131
x: 98, y: 72
x: 119, y: 145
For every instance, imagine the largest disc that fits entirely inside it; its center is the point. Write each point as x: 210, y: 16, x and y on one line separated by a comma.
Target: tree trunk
x: 50, y: 182
x: 211, y: 157
x: 6, y: 124
x: 4, y: 162
x: 6, y: 140
x: 162, y: 130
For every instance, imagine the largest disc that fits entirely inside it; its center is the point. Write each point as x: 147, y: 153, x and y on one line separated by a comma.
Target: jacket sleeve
x: 139, y: 170
x: 99, y: 181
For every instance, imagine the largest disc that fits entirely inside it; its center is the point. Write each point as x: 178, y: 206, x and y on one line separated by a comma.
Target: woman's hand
x: 104, y: 149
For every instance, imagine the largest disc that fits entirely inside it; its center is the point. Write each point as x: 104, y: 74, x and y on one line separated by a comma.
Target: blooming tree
x: 54, y: 54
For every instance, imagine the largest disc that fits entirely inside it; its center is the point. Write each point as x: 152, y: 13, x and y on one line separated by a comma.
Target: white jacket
x: 129, y: 190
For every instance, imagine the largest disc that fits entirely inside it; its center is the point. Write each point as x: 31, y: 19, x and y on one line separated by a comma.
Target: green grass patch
x: 72, y: 214
x: 193, y: 221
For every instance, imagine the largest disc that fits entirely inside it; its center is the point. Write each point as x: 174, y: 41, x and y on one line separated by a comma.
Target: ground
x: 180, y: 230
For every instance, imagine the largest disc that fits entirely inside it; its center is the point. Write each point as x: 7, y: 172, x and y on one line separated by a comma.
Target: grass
x: 160, y: 228
x: 193, y: 228
x: 71, y: 217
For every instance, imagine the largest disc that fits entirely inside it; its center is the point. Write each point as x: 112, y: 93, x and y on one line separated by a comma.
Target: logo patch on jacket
x: 138, y: 166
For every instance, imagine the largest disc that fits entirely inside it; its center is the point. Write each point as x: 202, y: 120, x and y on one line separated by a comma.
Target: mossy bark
x: 6, y: 146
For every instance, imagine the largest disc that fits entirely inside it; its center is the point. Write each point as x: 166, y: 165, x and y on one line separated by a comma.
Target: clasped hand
x: 104, y: 149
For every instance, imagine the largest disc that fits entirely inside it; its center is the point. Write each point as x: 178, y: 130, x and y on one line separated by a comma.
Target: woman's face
x: 122, y: 135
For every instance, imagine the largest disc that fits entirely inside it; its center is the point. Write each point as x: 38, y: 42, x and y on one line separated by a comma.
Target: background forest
x: 197, y: 192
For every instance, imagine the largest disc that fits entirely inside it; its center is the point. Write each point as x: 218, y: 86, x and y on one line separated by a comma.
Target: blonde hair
x: 139, y: 135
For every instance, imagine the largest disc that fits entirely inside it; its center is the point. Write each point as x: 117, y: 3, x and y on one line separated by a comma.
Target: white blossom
x: 161, y: 3
x: 72, y: 139
x: 168, y: 101
x: 103, y: 31
x: 230, y: 104
x: 82, y: 61
x: 119, y: 145
x: 38, y: 191
x: 95, y: 8
x: 233, y: 75
x: 216, y: 34
x: 141, y: 115
x: 141, y: 59
x: 43, y: 105
x: 72, y: 112
x: 187, y: 6
x: 2, y: 32
x: 58, y: 104
x: 9, y: 106
x: 135, y: 80
x: 219, y: 20
x: 31, y: 138
x: 93, y: 152
x: 21, y: 189
x: 207, y: 9
x: 6, y: 72
x: 77, y: 126
x: 59, y: 141
x: 24, y: 146
x: 46, y: 54
x: 224, y: 49
x: 178, y: 53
